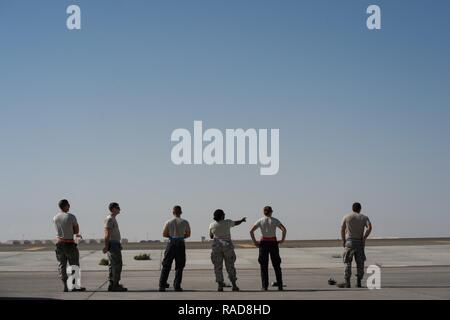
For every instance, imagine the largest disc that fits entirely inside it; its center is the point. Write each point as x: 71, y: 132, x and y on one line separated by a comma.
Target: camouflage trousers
x: 223, y: 250
x: 115, y: 262
x: 66, y: 253
x: 354, y: 249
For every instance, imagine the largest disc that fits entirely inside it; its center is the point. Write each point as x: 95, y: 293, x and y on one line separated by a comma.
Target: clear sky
x: 87, y: 115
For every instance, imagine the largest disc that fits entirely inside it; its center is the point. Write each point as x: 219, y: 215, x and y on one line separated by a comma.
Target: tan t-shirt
x: 221, y: 229
x: 64, y: 223
x: 113, y: 226
x: 177, y: 227
x: 355, y: 223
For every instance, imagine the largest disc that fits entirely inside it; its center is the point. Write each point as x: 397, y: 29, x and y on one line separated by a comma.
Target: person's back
x: 268, y: 246
x: 355, y: 225
x: 177, y: 227
x: 67, y: 253
x: 64, y: 224
x: 223, y: 248
x: 355, y: 229
x: 221, y: 229
x: 268, y: 226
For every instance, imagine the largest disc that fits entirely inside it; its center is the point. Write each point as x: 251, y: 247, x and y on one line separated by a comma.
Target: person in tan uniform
x: 355, y: 229
x: 113, y: 248
x: 223, y: 248
x: 67, y: 228
x: 176, y: 230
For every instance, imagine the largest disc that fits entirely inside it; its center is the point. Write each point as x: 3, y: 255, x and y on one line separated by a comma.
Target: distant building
x: 149, y: 241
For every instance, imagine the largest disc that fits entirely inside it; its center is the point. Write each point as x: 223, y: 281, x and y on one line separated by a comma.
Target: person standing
x: 67, y: 227
x: 269, y: 246
x: 113, y: 248
x: 176, y: 230
x: 223, y: 248
x: 354, y: 235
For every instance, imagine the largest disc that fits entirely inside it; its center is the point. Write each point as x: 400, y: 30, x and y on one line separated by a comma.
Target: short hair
x: 178, y: 208
x: 63, y: 203
x: 219, y: 215
x: 356, y: 207
x: 113, y: 205
x: 268, y: 209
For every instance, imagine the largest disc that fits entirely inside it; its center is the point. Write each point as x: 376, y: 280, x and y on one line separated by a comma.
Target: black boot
x: 66, y: 289
x: 358, y: 283
x: 220, y: 286
x: 347, y: 283
x: 119, y: 288
x: 162, y: 288
x: 235, y: 287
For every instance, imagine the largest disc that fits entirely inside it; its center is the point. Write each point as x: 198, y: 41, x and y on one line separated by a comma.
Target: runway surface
x: 397, y: 283
x: 407, y: 272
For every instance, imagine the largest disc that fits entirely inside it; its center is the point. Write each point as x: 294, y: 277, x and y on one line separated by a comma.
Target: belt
x: 60, y: 240
x: 353, y: 239
x: 269, y: 239
x: 223, y: 238
x: 176, y: 238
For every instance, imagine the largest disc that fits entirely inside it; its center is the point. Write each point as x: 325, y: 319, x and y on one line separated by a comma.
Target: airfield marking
x: 13, y: 255
x: 34, y: 249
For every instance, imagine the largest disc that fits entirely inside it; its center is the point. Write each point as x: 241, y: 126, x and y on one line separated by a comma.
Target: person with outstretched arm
x: 223, y: 248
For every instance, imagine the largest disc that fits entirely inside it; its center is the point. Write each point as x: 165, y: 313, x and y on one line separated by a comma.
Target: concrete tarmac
x: 397, y: 283
x: 407, y: 272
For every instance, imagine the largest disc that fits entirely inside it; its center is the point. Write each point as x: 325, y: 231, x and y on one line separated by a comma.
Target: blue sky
x: 87, y: 115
